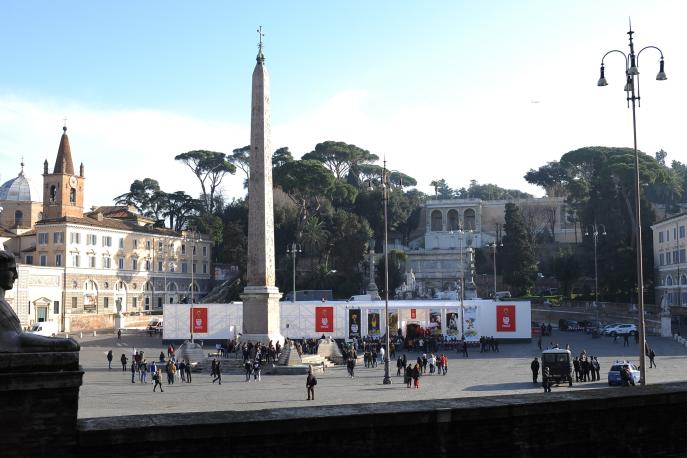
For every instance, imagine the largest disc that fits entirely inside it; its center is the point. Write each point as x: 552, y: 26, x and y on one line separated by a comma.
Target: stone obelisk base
x: 39, y: 395
x: 261, y: 315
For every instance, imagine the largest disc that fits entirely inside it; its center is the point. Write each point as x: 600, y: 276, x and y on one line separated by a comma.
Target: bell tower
x: 63, y: 189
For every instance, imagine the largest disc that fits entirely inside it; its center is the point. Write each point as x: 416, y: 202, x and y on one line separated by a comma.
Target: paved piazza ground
x: 111, y: 393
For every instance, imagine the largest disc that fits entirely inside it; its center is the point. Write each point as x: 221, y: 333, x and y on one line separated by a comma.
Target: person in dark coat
x: 652, y: 355
x: 465, y: 349
x: 416, y: 376
x: 218, y: 373
x: 310, y: 383
x: 123, y: 360
x: 535, y: 370
x: 576, y: 367
x: 399, y: 366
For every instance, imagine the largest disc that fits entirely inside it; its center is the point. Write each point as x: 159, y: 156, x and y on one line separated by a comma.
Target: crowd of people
x: 140, y: 368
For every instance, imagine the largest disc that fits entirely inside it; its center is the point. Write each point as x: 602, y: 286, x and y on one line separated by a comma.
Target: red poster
x: 199, y: 319
x: 505, y: 318
x: 413, y: 314
x: 324, y: 319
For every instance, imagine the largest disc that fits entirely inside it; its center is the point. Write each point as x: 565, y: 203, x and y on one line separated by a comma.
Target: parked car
x: 156, y: 325
x: 614, y: 377
x: 621, y: 330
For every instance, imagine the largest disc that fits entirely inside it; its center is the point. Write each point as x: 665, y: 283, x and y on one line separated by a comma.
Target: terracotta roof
x: 90, y: 219
x: 63, y: 163
x: 116, y: 211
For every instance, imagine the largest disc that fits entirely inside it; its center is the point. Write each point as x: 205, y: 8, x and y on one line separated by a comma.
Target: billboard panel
x: 199, y: 319
x: 353, y: 323
x: 373, y: 327
x: 324, y: 319
x: 505, y: 318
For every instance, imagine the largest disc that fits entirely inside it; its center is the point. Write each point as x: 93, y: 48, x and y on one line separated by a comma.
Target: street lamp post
x: 632, y: 95
x: 461, y: 264
x: 493, y: 246
x: 595, y: 234
x: 292, y: 250
x: 385, y: 197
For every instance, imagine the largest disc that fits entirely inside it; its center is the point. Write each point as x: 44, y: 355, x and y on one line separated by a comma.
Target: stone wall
x: 607, y: 422
x: 89, y: 321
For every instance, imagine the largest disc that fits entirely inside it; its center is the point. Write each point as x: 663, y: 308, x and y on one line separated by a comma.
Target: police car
x: 614, y: 373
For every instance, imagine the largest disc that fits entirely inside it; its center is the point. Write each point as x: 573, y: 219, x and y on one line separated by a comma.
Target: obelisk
x: 260, y: 296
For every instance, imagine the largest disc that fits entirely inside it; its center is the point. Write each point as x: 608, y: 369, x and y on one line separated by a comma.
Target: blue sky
x: 444, y: 89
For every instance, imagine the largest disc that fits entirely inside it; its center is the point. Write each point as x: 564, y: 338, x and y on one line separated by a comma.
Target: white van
x: 45, y: 328
x: 500, y: 295
x: 360, y: 297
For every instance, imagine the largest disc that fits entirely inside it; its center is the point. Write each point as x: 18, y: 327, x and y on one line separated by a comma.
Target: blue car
x: 614, y: 373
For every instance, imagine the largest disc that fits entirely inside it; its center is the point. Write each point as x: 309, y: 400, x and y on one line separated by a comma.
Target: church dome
x: 16, y: 189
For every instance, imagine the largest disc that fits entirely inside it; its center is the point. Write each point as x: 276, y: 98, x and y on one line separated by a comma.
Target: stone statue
x: 12, y: 338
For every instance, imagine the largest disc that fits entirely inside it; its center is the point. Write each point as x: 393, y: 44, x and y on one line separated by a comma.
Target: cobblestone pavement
x: 111, y: 393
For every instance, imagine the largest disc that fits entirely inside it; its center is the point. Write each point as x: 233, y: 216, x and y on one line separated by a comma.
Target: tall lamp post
x: 193, y: 237
x: 293, y: 249
x: 632, y: 95
x: 460, y: 233
x: 595, y: 234
x: 493, y: 246
x: 386, y: 183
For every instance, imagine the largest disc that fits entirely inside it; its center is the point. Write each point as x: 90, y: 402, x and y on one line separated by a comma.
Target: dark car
x: 559, y: 362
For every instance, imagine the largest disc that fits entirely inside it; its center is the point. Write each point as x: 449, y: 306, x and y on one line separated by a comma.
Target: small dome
x: 16, y: 189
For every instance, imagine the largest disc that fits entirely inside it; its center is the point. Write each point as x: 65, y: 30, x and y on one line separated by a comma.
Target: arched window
x: 18, y: 218
x: 437, y: 220
x: 72, y: 195
x: 193, y: 287
x: 469, y: 218
x: 147, y: 286
x: 683, y: 279
x: 453, y: 221
x: 669, y: 281
x: 53, y: 193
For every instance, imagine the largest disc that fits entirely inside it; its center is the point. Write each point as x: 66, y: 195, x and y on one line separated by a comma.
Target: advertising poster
x: 199, y: 319
x: 452, y: 324
x: 324, y: 319
x: 505, y: 318
x: 435, y: 322
x: 393, y: 323
x: 373, y: 328
x: 413, y: 314
x: 470, y: 324
x: 353, y: 323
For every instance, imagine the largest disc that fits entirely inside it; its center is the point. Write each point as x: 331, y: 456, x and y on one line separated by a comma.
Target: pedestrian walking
x: 218, y: 373
x: 626, y: 341
x: 188, y: 371
x: 416, y: 376
x: 535, y: 370
x: 408, y: 375
x: 248, y: 366
x: 133, y: 371
x: 143, y: 370
x: 256, y: 370
x: 539, y: 341
x: 109, y: 359
x: 119, y: 334
x: 310, y: 383
x: 465, y: 349
x: 545, y: 376
x: 156, y: 381
x: 124, y: 360
x: 399, y: 366
x: 652, y: 355
x: 444, y: 363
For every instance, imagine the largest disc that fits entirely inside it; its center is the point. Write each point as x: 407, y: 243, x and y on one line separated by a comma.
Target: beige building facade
x: 670, y: 263
x: 83, y: 269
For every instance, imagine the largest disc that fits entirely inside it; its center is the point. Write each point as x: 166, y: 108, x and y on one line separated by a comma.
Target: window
x: 669, y: 281
x: 660, y: 237
x: 159, y: 246
x: 74, y: 303
x: 53, y: 193
x: 159, y: 266
x: 184, y: 268
x: 469, y: 219
x: 72, y: 195
x: 91, y: 262
x: 121, y: 263
x: 668, y: 258
x: 74, y: 237
x: 58, y: 260
x: 121, y: 243
x: 148, y: 264
x: 194, y: 268
x: 29, y: 259
x: 172, y: 267
x: 194, y: 250
x: 453, y: 222
x: 18, y: 218
x: 148, y: 286
x: 44, y: 259
x: 107, y: 262
x: 682, y: 255
x: 134, y: 302
x: 682, y: 232
x: 667, y: 235
x: 149, y: 245
x: 135, y: 244
x: 159, y: 302
x: 676, y: 257
x: 107, y: 240
x: 205, y: 251
x: 183, y: 249
x: 205, y: 267
x: 106, y: 302
x: 76, y: 260
x: 56, y: 307
x: 437, y: 221
x: 661, y: 259
x: 58, y: 237
x: 91, y: 239
x: 43, y: 238
x: 134, y: 264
